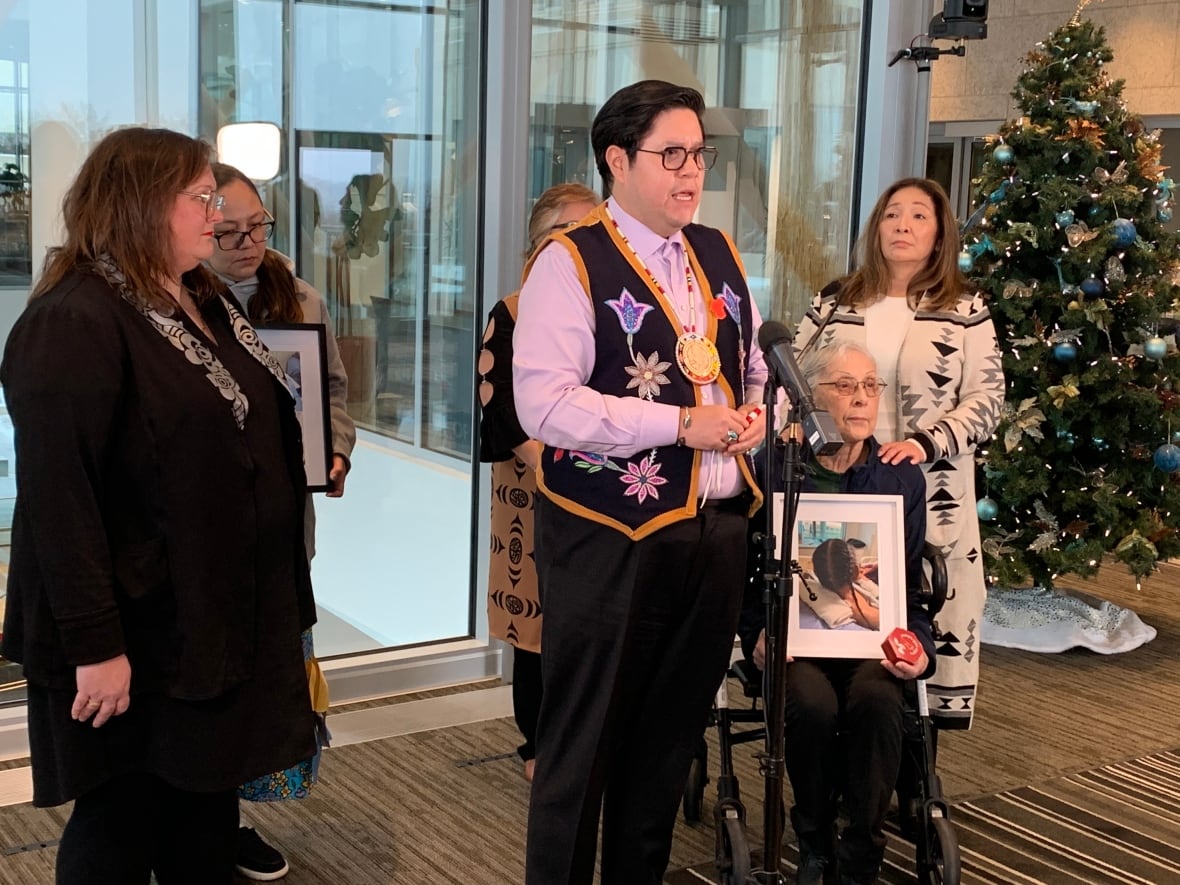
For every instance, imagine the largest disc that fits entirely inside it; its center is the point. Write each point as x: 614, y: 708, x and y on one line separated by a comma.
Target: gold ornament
x: 1016, y: 289
x: 1148, y: 159
x: 1118, y: 176
x: 1079, y: 232
x: 1061, y: 393
x: 1026, y: 418
x: 1027, y: 125
x: 1083, y: 130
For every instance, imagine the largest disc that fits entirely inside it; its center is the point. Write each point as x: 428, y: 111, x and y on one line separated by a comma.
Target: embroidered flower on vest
x: 642, y: 479
x: 648, y: 374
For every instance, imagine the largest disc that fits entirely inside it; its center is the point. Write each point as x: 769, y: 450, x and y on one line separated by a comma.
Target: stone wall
x: 1143, y: 34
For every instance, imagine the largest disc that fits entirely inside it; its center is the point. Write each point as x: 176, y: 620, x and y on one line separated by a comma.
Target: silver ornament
x: 1114, y: 271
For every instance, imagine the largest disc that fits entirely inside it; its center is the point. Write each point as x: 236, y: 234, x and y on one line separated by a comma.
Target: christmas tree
x: 1082, y: 278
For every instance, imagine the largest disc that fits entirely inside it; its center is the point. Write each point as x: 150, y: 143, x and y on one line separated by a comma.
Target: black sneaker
x: 256, y: 860
x: 814, y: 868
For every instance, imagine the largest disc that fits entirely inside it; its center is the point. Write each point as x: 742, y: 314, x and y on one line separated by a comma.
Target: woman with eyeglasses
x: 158, y: 583
x: 514, y: 606
x: 264, y: 283
x: 844, y: 716
x: 935, y: 348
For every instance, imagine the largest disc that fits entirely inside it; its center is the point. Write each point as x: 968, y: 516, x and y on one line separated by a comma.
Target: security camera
x: 960, y: 20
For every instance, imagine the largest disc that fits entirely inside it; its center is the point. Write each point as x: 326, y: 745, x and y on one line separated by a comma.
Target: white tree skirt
x: 1036, y: 619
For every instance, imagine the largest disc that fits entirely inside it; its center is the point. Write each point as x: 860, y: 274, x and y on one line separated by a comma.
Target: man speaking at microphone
x: 635, y: 364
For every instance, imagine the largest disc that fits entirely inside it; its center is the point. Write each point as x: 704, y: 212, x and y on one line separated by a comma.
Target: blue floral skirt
x: 296, y: 782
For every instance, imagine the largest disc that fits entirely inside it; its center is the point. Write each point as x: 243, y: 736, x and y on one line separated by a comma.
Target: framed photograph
x: 301, y: 349
x: 852, y: 592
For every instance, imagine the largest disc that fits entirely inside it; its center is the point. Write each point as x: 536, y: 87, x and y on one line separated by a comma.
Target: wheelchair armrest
x: 934, y: 596
x: 745, y: 672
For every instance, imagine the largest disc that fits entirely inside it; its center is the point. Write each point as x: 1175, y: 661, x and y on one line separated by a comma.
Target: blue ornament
x: 1095, y: 212
x: 1167, y: 458
x: 1065, y: 351
x: 1067, y: 438
x: 1124, y: 232
x: 1003, y: 154
x: 987, y: 509
x: 998, y: 194
x: 1164, y: 214
x: 983, y: 244
x: 1155, y: 348
x: 966, y: 262
x: 1092, y: 287
x: 1100, y: 444
x: 1065, y: 218
x: 1176, y: 436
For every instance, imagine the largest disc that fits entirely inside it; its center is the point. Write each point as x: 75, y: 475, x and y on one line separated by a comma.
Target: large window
x: 15, y: 244
x: 376, y: 201
x: 780, y: 82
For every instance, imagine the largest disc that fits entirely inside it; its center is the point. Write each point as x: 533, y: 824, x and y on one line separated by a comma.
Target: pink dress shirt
x: 553, y: 356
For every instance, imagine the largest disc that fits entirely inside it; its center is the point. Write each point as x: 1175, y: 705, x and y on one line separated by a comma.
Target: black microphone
x: 819, y: 429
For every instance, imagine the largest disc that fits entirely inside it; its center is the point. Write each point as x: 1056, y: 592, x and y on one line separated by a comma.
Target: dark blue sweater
x: 871, y: 477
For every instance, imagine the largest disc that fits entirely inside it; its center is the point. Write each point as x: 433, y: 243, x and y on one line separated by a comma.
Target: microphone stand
x: 778, y: 578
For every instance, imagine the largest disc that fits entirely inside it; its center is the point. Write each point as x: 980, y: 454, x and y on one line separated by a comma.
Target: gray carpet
x: 1119, y: 824
x: 448, y: 806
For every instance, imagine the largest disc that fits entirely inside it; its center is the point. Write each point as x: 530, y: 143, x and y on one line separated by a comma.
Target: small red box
x: 902, y: 645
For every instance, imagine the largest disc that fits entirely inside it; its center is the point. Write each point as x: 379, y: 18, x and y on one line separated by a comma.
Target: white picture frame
x: 835, y: 622
x: 305, y: 345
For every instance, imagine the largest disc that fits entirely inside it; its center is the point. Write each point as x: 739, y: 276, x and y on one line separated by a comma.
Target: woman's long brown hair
x: 277, y: 298
x: 941, y: 280
x: 119, y: 207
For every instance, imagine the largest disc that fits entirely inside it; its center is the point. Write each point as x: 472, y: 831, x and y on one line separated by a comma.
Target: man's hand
x: 755, y: 431
x: 716, y: 428
x: 104, y: 690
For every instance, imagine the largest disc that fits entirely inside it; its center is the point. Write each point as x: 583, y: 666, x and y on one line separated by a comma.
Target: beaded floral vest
x: 635, y: 341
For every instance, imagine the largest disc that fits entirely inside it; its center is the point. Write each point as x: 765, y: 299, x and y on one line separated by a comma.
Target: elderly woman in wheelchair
x: 844, y: 718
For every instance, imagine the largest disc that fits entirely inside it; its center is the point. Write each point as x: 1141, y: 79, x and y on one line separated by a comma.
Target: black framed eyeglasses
x: 847, y: 386
x: 231, y: 240
x: 213, y: 202
x: 674, y: 158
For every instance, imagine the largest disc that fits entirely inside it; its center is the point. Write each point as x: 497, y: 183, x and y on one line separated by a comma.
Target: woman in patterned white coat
x: 935, y: 346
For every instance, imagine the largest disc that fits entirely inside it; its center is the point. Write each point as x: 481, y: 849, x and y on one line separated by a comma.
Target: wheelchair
x: 922, y: 810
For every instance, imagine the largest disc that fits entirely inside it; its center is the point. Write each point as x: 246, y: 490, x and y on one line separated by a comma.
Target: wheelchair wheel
x: 734, y: 866
x: 694, y: 790
x: 942, y: 864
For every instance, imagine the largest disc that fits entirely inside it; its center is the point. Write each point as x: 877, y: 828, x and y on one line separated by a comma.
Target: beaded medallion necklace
x: 696, y: 356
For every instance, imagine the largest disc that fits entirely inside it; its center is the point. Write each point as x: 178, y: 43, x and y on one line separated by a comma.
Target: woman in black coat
x: 158, y: 584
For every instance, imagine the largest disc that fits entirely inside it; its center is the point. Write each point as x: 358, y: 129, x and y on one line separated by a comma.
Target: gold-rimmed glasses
x: 213, y: 202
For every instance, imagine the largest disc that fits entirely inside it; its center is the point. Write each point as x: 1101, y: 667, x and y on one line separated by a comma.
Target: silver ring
x: 732, y: 436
